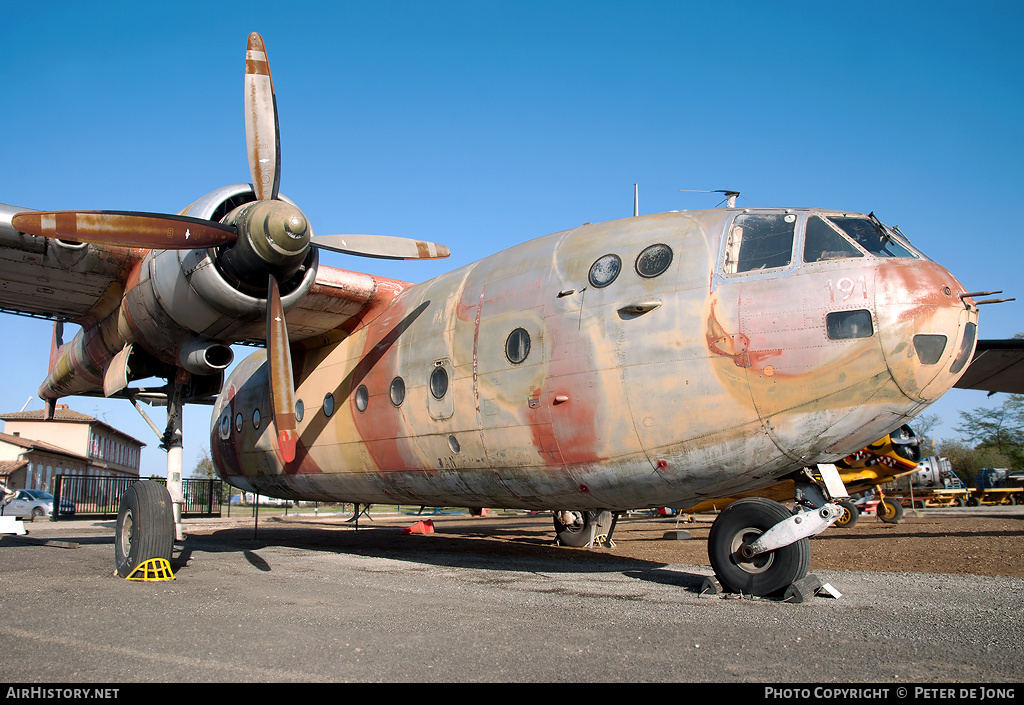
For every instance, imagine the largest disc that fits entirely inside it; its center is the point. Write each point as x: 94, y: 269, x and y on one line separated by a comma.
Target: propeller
x: 264, y: 240
x: 262, y: 134
x: 282, y: 383
x: 125, y: 229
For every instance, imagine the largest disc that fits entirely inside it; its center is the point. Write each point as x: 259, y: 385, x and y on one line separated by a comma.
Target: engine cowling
x: 182, y: 295
x: 183, y: 308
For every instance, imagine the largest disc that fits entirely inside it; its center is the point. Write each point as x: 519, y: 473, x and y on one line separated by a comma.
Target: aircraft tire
x: 145, y: 526
x: 766, y: 574
x: 849, y: 516
x: 890, y: 511
x: 578, y: 535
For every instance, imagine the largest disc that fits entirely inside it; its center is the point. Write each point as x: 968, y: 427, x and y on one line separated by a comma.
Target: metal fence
x: 79, y: 496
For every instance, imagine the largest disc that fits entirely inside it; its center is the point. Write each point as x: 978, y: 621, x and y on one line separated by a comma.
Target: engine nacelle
x: 182, y: 297
x: 178, y: 310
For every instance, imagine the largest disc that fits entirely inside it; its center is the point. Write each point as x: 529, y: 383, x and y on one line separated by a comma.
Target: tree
x: 966, y: 460
x: 204, y: 467
x: 999, y: 431
x: 923, y: 426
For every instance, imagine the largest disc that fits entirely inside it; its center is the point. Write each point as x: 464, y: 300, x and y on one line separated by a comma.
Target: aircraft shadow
x: 518, y: 549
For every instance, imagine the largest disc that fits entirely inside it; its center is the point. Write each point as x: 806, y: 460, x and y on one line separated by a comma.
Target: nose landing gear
x: 737, y: 528
x: 758, y: 547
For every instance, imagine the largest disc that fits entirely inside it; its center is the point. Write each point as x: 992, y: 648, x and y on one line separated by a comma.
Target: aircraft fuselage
x: 650, y: 361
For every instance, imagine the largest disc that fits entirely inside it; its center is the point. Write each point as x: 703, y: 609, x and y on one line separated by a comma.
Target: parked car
x: 34, y: 504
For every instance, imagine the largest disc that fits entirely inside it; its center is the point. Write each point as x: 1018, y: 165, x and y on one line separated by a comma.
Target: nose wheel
x: 735, y: 529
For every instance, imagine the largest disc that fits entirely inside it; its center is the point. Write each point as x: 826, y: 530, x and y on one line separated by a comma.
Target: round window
x: 328, y: 404
x: 300, y: 410
x: 604, y: 271
x: 362, y: 397
x: 517, y: 346
x: 256, y: 418
x: 225, y: 425
x: 238, y: 422
x: 653, y: 261
x: 439, y: 382
x: 397, y: 391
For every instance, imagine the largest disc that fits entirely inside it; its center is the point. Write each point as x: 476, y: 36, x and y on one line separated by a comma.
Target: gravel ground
x: 313, y: 600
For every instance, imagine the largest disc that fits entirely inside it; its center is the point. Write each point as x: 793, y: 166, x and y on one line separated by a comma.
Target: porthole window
x: 604, y: 271
x: 362, y: 397
x: 439, y: 382
x: 300, y: 410
x: 256, y: 418
x: 225, y: 425
x: 453, y: 443
x: 517, y: 346
x: 328, y: 404
x: 397, y: 391
x: 653, y: 261
x: 238, y: 422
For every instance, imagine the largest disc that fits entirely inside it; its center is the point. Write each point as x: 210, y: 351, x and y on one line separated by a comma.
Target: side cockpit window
x: 759, y: 241
x: 823, y: 242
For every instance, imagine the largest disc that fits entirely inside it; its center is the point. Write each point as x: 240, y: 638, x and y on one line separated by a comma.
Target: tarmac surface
x: 313, y: 599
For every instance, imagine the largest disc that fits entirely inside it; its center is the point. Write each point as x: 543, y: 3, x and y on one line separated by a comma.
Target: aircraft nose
x: 927, y: 329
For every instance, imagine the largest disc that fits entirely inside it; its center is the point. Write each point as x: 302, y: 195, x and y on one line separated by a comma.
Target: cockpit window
x: 823, y: 242
x: 871, y: 236
x: 760, y: 241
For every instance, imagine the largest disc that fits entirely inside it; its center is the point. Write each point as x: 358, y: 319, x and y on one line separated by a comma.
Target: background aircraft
x: 542, y: 231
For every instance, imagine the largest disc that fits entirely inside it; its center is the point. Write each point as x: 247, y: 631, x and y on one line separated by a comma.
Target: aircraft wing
x: 53, y: 279
x: 997, y: 366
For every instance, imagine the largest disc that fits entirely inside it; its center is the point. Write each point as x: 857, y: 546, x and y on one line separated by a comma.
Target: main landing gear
x: 582, y: 529
x: 149, y: 516
x: 145, y: 526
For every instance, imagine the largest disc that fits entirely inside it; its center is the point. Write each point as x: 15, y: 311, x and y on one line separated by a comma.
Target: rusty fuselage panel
x: 651, y: 361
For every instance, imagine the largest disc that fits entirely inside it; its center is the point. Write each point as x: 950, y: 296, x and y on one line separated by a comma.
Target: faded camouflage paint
x: 728, y: 384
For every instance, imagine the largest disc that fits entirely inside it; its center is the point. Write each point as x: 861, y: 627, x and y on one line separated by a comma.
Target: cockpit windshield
x: 870, y: 235
x: 763, y: 242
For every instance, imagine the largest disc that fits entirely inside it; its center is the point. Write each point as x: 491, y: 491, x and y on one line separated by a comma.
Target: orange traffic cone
x: 421, y: 527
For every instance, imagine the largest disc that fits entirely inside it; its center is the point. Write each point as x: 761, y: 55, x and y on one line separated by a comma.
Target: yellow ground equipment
x: 153, y: 569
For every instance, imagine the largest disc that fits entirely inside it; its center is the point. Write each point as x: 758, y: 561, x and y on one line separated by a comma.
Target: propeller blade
x: 126, y: 229
x: 262, y: 135
x: 282, y: 383
x: 381, y: 246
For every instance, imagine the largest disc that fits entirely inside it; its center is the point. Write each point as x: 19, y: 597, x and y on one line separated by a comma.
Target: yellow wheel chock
x: 152, y: 569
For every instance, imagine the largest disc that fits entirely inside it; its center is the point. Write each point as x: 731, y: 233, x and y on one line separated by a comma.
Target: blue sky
x: 483, y: 124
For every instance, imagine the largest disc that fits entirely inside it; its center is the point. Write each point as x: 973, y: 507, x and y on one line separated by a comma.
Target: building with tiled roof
x: 34, y: 450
